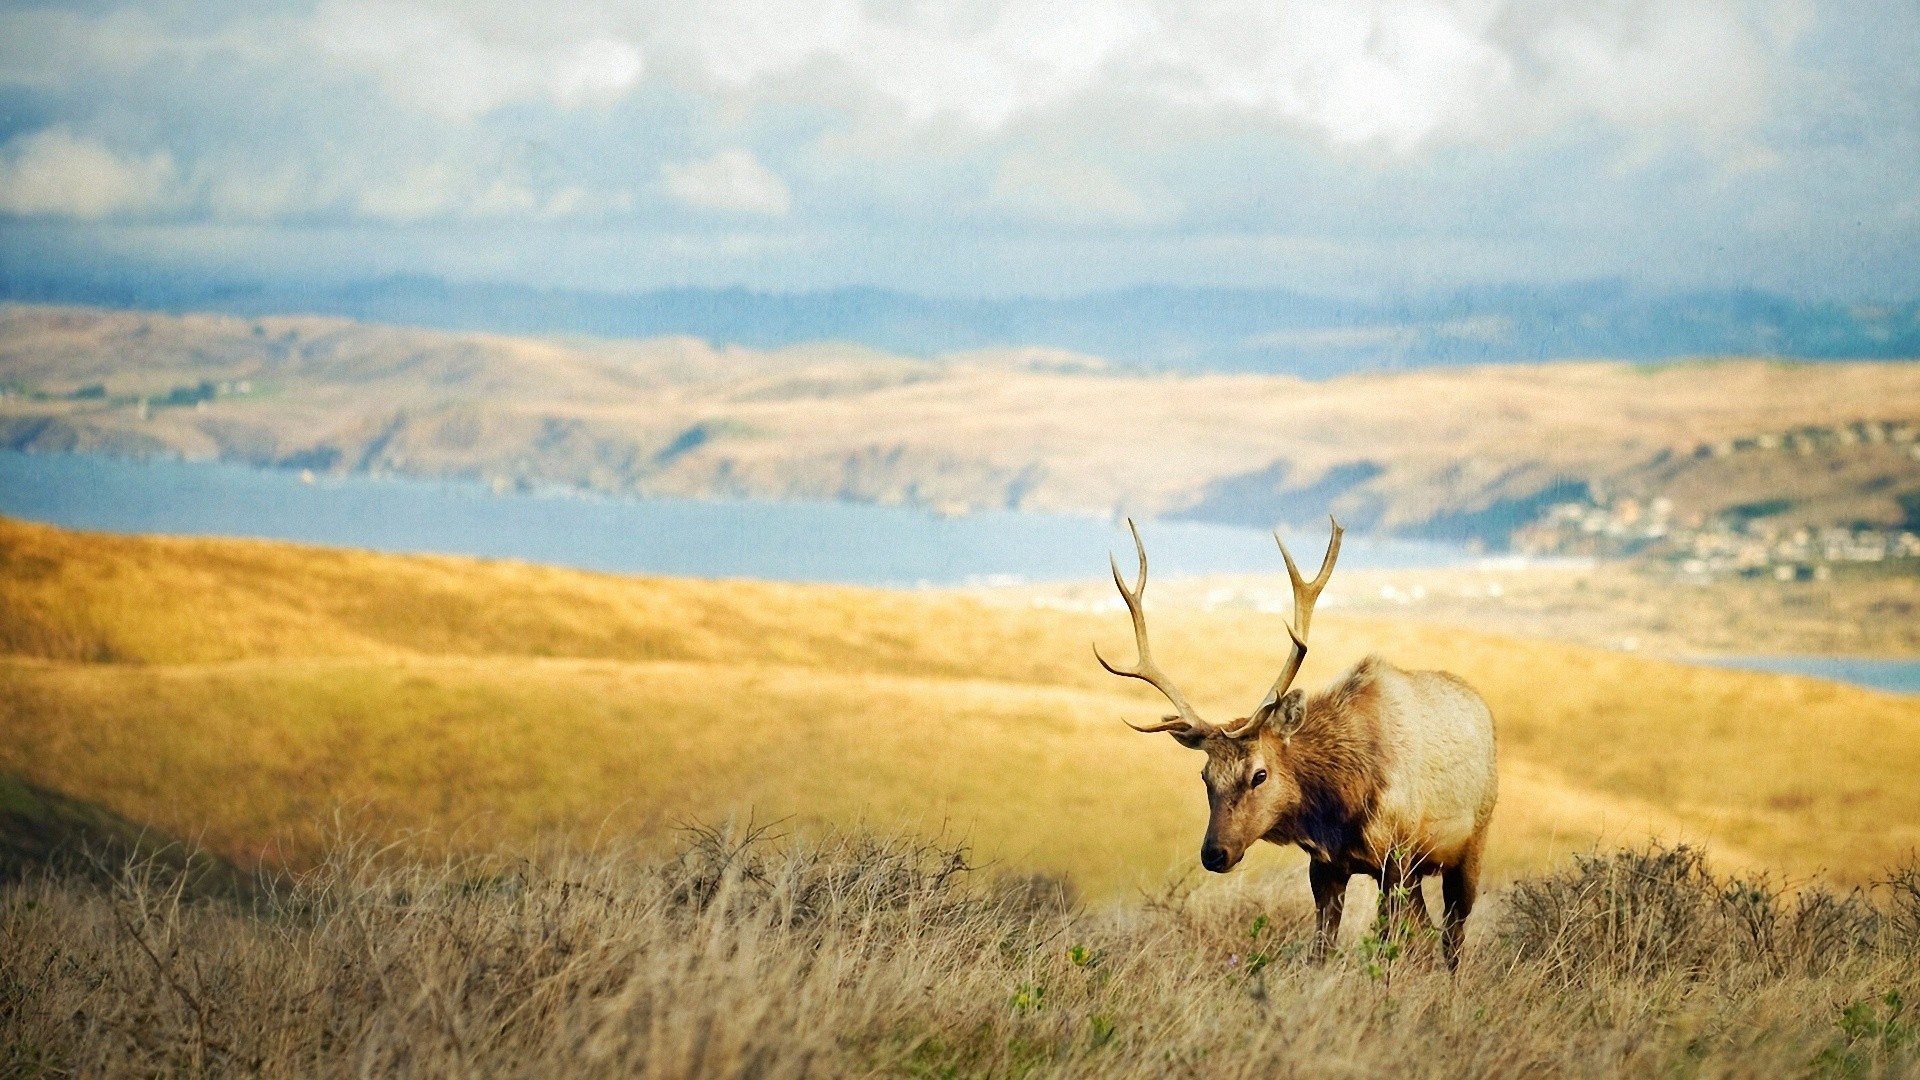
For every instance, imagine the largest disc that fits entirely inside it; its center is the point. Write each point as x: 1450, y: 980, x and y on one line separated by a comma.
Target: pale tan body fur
x: 1436, y: 738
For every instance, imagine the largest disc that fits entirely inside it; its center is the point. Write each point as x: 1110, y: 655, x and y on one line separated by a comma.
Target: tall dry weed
x: 749, y: 954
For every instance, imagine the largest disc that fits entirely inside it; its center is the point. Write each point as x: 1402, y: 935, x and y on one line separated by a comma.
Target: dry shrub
x: 1903, y: 920
x: 1628, y: 913
x: 800, y: 884
x: 748, y: 954
x: 1661, y: 912
x: 1811, y: 929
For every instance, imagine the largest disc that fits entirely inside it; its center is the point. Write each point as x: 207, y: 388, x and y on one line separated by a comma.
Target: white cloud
x: 442, y: 63
x: 981, y: 63
x: 1398, y: 74
x: 1655, y: 65
x: 54, y: 172
x: 729, y: 180
x: 1068, y: 192
x: 1393, y: 74
x: 1628, y: 136
x: 595, y: 71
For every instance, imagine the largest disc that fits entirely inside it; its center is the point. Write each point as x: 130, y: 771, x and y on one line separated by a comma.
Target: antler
x: 1146, y: 670
x: 1305, y: 595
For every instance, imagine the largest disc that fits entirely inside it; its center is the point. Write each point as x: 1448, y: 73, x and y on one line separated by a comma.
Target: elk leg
x: 1329, y: 899
x: 1417, y: 904
x: 1458, y: 886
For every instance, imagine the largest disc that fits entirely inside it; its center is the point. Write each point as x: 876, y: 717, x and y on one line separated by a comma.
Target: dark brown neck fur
x: 1335, y: 760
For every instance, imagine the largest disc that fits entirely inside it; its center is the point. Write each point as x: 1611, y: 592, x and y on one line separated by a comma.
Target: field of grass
x: 863, y: 955
x: 247, y: 694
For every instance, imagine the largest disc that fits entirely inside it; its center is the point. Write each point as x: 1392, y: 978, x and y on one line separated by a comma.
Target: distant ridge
x: 1456, y: 454
x: 1151, y: 327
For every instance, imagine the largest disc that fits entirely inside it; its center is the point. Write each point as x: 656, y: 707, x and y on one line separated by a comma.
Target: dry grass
x: 561, y: 725
x: 238, y: 692
x: 744, y: 956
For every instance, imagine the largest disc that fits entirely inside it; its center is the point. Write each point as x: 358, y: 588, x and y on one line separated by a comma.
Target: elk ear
x: 1191, y: 739
x: 1293, y: 709
x: 1284, y: 716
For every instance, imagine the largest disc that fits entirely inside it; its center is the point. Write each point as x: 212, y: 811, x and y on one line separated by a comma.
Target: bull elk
x: 1384, y: 772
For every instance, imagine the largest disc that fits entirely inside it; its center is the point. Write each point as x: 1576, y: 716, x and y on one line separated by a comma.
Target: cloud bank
x: 1075, y: 143
x: 729, y: 180
x: 54, y: 172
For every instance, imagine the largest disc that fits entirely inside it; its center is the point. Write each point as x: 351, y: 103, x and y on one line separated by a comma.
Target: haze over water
x: 839, y: 542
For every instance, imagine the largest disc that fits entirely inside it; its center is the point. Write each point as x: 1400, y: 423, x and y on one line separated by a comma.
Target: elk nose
x: 1214, y: 858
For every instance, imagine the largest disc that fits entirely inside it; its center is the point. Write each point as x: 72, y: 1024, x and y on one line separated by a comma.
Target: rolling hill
x: 1467, y: 454
x: 264, y: 697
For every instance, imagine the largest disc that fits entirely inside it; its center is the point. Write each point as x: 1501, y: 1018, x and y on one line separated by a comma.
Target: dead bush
x: 1630, y: 913
x: 1903, y: 916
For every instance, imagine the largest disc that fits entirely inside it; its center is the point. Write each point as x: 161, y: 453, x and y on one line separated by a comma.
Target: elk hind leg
x: 1329, y: 900
x: 1459, y: 884
x: 1422, y: 919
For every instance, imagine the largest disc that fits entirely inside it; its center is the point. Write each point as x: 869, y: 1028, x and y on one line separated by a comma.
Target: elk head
x: 1249, y: 776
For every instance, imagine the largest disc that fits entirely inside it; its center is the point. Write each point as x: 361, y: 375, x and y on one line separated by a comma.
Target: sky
x: 972, y: 147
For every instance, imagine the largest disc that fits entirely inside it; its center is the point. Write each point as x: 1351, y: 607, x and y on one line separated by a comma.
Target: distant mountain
x: 1150, y: 327
x: 1451, y: 454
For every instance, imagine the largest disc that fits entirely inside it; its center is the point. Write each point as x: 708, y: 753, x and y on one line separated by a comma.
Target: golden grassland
x: 243, y: 693
x: 857, y: 955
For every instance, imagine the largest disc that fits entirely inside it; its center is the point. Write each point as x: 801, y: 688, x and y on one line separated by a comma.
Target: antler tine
x: 1307, y: 593
x: 1145, y: 669
x: 1296, y: 655
x: 1167, y: 723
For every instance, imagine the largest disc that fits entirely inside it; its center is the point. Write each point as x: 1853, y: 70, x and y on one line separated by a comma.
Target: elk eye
x: 1259, y: 777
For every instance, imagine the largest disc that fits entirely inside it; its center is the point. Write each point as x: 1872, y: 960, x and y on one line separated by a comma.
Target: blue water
x: 792, y: 541
x: 1893, y: 676
x: 786, y: 541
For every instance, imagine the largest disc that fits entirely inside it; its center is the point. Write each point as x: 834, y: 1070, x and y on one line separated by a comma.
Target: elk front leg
x: 1329, y: 899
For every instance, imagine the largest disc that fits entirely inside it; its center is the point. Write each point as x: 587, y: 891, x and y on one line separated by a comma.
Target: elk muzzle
x: 1220, y: 854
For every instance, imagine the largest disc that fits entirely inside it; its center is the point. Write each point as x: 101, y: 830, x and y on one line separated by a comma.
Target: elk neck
x: 1335, y: 759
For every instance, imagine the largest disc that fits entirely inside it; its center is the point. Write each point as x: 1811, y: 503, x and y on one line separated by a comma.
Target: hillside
x: 42, y: 831
x: 244, y: 692
x: 1467, y: 454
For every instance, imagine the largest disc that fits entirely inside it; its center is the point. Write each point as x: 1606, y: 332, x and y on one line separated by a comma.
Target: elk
x: 1383, y: 772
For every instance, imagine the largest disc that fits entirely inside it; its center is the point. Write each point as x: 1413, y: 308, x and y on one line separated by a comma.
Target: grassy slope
x: 44, y: 830
x: 241, y: 691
